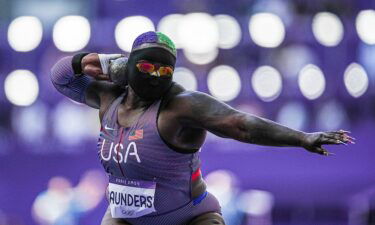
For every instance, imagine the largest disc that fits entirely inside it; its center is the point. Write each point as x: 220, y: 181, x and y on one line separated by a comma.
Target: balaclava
x: 154, y: 47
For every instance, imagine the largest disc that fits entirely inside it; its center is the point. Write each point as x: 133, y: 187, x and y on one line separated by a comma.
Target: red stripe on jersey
x: 196, y: 174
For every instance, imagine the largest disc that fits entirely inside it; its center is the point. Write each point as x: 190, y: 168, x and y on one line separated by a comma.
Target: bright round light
x: 52, y: 204
x: 266, y: 30
x: 266, y: 82
x: 198, y: 33
x: 25, y: 33
x: 186, y: 78
x: 169, y: 25
x: 311, y: 82
x: 256, y: 202
x: 21, y: 87
x: 222, y: 184
x: 365, y: 26
x: 129, y: 28
x: 229, y: 31
x: 71, y: 33
x: 224, y: 82
x: 356, y: 80
x: 328, y: 29
x: 202, y: 58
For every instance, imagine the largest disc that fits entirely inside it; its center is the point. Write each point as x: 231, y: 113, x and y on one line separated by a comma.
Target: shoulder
x: 180, y: 101
x: 177, y: 94
x: 106, y: 92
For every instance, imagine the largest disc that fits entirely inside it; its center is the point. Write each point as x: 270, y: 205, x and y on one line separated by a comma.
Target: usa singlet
x: 149, y: 183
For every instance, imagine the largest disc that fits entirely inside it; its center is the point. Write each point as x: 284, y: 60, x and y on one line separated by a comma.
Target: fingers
x: 337, y: 137
x: 345, y: 135
x: 90, y: 59
x: 322, y: 151
x: 92, y: 70
x: 95, y: 72
x: 331, y: 141
x: 102, y: 77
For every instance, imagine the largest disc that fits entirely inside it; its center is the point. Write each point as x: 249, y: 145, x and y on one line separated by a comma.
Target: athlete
x: 152, y: 130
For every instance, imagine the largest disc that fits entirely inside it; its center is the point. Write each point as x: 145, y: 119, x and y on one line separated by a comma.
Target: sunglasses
x: 154, y: 69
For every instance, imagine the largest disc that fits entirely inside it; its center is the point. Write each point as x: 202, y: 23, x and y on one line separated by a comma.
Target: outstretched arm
x: 197, y: 109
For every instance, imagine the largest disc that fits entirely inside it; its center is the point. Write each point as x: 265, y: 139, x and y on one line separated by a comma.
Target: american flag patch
x: 136, y: 135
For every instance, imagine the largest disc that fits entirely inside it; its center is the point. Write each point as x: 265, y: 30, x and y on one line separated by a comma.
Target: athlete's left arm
x: 200, y: 110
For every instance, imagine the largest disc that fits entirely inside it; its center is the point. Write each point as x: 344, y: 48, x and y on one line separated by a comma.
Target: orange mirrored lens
x: 146, y: 67
x: 165, y: 70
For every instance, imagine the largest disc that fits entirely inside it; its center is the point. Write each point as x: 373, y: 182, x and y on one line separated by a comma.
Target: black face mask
x: 144, y: 85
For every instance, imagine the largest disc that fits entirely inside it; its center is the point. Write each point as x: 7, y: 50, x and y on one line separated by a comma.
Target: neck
x: 133, y: 101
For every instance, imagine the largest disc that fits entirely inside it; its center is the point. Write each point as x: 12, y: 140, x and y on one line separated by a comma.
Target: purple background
x: 297, y: 179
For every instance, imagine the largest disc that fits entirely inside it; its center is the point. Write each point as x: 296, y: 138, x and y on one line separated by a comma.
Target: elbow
x: 244, y: 129
x: 63, y: 79
x: 62, y: 72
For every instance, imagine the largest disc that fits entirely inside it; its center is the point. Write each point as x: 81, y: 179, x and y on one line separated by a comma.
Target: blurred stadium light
x: 198, y: 33
x: 356, y: 80
x: 186, y: 78
x: 177, y: 27
x: 224, y: 82
x: 201, y: 58
x: 266, y: 82
x: 224, y: 185
x: 365, y: 26
x: 257, y: 204
x: 311, y: 82
x: 25, y: 33
x: 229, y: 31
x: 327, y: 29
x: 71, y: 33
x: 129, y: 28
x: 169, y: 25
x: 266, y: 30
x: 284, y: 9
x: 21, y: 87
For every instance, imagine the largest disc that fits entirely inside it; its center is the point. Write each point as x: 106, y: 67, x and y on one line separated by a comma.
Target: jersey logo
x: 136, y: 135
x: 108, y: 128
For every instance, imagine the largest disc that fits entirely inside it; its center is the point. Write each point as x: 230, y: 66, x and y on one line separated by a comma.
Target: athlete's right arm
x: 85, y: 82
